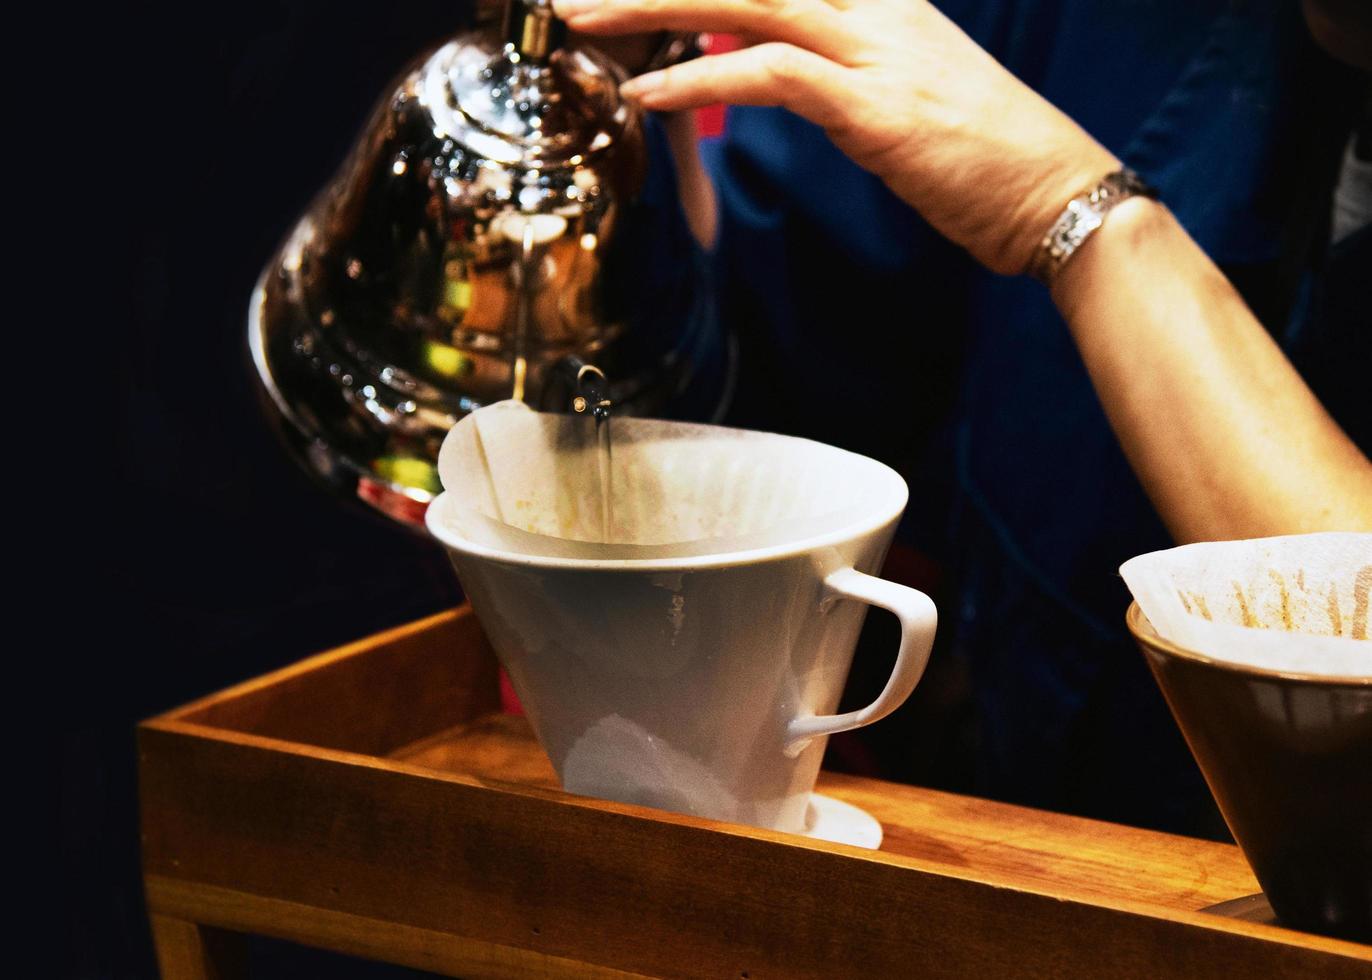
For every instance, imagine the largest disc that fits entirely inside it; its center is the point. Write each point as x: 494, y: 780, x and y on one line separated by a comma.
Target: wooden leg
x: 189, y: 951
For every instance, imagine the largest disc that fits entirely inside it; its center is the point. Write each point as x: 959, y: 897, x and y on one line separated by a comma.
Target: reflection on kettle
x: 497, y: 217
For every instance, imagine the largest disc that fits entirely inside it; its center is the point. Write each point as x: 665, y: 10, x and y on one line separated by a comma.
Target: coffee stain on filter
x: 1362, y: 584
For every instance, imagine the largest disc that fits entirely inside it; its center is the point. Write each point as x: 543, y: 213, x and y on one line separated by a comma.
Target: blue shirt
x: 862, y: 327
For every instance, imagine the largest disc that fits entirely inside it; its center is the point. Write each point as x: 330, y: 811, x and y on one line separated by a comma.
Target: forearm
x: 1224, y: 435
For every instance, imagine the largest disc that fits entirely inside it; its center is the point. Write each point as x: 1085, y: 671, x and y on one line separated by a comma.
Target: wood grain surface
x: 197, y: 952
x: 436, y: 837
x: 369, y: 696
x: 1104, y: 860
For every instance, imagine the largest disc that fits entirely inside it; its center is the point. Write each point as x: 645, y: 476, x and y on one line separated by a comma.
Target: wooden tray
x: 373, y: 800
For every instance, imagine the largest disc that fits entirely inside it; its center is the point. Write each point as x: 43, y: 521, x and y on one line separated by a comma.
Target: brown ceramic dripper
x: 1279, y: 720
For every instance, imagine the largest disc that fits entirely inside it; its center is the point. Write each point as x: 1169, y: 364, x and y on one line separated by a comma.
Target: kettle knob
x: 533, y: 30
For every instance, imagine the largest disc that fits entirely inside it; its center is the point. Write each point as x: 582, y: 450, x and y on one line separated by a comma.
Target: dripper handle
x: 918, y: 621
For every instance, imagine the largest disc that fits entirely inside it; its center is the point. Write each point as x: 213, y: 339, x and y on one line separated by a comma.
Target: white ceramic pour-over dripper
x: 693, y: 662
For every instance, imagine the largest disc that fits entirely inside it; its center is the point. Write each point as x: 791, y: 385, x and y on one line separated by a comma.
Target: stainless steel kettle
x: 497, y: 221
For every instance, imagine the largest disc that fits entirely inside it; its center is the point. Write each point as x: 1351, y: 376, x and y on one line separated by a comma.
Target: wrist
x: 1081, y: 218
x: 1043, y: 199
x: 1120, y: 242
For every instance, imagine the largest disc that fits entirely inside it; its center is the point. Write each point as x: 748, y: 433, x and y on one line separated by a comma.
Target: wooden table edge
x: 176, y: 904
x: 1259, y: 931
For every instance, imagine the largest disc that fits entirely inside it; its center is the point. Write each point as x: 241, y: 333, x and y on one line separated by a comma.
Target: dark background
x: 222, y: 121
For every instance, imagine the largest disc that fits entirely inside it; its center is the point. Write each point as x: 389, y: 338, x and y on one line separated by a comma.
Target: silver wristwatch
x: 1083, y: 215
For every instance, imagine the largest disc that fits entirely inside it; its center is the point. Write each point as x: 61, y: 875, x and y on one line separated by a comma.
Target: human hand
x: 899, y: 88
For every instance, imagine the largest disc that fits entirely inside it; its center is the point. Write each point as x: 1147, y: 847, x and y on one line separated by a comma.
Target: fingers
x: 769, y: 74
x: 815, y: 25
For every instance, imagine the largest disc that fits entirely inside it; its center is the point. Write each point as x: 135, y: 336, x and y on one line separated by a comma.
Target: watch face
x: 1078, y: 221
x: 1082, y: 216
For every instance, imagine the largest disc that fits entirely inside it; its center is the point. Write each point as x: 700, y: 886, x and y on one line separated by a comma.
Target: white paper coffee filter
x: 529, y: 482
x: 1296, y: 603
x: 480, y: 529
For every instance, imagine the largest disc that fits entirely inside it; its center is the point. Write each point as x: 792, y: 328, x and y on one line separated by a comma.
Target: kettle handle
x: 918, y: 621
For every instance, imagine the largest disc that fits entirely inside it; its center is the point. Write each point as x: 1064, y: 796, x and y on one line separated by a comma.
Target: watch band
x: 1083, y: 215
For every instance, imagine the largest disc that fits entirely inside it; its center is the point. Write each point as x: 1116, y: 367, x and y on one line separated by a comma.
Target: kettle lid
x: 524, y: 100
